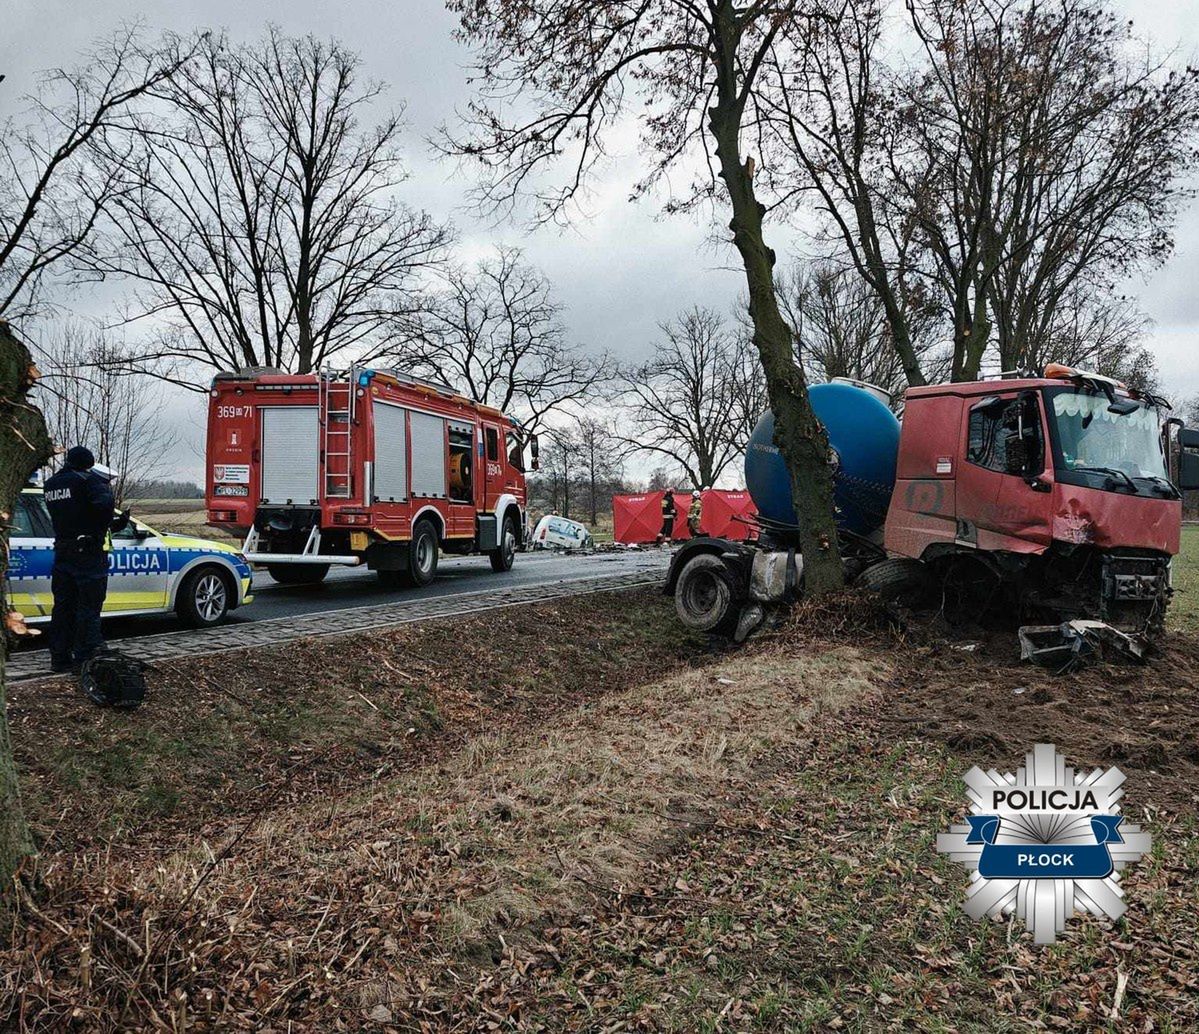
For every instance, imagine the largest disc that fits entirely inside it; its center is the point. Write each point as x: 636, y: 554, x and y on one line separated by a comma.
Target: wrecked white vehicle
x: 554, y: 532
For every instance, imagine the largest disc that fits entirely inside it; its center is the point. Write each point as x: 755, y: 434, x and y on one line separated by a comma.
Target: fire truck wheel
x: 422, y: 553
x: 704, y: 596
x: 204, y: 597
x: 501, y: 559
x: 298, y: 574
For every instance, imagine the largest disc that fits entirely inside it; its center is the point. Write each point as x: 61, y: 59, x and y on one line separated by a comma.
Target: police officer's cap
x: 80, y: 458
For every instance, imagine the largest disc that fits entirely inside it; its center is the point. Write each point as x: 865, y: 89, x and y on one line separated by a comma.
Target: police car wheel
x: 204, y: 597
x: 502, y: 558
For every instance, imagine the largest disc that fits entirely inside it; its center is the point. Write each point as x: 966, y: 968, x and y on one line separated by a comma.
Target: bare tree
x: 842, y: 330
x: 495, y: 332
x: 1057, y: 155
x: 50, y: 194
x: 1029, y: 152
x: 551, y: 486
x: 556, y: 76
x: 258, y: 217
x: 95, y: 393
x: 662, y: 479
x: 834, y: 115
x: 1189, y: 411
x: 697, y: 400
x: 1104, y: 334
x: 598, y: 450
x: 24, y: 446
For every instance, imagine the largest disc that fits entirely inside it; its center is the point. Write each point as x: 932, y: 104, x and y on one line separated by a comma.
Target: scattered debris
x: 1075, y: 644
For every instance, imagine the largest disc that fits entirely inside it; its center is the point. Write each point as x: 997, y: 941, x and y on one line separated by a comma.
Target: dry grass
x: 746, y: 843
x: 392, y: 895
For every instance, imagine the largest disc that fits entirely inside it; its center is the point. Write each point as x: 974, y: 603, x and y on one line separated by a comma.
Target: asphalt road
x: 348, y: 587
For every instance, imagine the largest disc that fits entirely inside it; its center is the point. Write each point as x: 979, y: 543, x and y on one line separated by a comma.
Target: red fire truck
x: 362, y: 466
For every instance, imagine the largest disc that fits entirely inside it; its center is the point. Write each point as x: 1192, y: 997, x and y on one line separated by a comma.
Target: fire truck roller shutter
x: 428, y: 454
x: 391, y: 454
x: 290, y: 451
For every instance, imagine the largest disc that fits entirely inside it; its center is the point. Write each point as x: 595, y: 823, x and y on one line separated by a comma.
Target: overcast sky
x: 619, y: 272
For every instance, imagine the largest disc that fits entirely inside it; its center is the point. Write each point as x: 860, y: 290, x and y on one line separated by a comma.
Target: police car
x: 148, y: 573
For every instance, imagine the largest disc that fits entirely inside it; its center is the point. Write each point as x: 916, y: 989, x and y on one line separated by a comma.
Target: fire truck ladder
x: 336, y: 397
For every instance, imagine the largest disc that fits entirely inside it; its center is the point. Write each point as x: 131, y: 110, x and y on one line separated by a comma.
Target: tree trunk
x: 24, y: 446
x: 970, y: 342
x: 797, y: 432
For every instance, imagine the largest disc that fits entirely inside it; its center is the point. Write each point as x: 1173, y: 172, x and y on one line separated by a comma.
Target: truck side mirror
x: 534, y: 453
x: 1188, y: 459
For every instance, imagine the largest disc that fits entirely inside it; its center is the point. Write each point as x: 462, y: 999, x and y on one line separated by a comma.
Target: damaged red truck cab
x: 1058, y: 484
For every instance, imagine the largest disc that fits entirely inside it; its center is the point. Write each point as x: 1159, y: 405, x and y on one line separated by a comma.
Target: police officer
x: 82, y: 508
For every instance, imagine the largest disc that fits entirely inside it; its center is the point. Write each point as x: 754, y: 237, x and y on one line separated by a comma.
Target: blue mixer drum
x: 864, y: 437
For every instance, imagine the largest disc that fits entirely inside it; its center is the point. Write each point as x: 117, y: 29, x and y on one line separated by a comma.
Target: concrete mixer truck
x: 1053, y: 497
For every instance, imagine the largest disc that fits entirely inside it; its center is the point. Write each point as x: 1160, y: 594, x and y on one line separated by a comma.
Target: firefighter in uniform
x: 81, y: 505
x: 669, y: 512
x: 695, y: 513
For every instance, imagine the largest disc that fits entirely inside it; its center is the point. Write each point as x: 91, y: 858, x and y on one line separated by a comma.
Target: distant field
x: 178, y: 517
x: 166, y: 505
x: 1184, y: 611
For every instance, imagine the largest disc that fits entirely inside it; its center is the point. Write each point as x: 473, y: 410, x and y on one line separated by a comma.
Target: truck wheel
x: 204, y: 597
x: 501, y: 559
x: 897, y: 578
x: 422, y: 553
x: 298, y: 574
x: 704, y: 596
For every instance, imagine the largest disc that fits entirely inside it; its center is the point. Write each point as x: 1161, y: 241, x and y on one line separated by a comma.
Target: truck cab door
x: 493, y: 466
x: 1001, y: 501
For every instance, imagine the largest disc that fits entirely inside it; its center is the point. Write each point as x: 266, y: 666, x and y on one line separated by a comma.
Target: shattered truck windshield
x: 1090, y: 436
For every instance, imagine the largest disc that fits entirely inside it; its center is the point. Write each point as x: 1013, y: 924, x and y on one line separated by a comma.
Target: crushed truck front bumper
x: 1074, y: 644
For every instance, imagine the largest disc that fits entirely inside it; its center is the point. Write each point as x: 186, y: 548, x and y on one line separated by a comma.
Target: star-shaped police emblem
x: 1044, y: 843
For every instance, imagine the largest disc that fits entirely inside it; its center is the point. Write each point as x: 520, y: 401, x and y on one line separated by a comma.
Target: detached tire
x: 204, y: 597
x: 502, y: 558
x: 898, y: 578
x: 704, y: 596
x: 298, y: 574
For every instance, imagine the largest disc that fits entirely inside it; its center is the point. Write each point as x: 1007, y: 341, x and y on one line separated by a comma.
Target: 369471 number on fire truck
x: 363, y: 466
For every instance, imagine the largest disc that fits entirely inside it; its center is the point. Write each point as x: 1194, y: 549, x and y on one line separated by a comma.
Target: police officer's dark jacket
x: 81, y: 506
x: 668, y: 507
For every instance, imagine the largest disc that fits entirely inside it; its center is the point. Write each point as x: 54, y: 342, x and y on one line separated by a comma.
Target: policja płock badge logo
x: 1044, y: 843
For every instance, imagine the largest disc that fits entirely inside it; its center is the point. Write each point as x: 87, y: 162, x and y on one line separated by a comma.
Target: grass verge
x: 1184, y: 608
x: 604, y: 835
x: 320, y: 716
